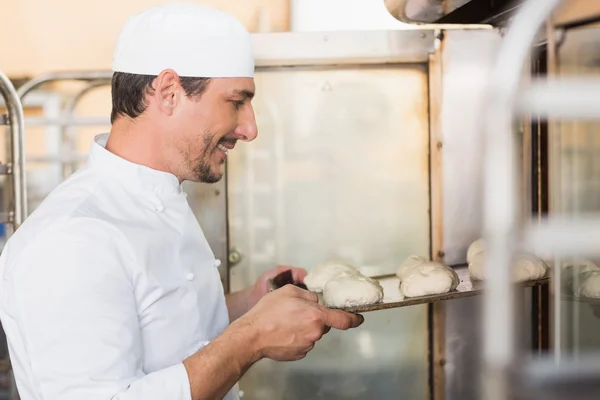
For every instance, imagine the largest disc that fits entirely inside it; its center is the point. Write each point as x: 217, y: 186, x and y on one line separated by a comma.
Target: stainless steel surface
x: 209, y: 204
x: 342, y: 48
x: 500, y: 200
x: 393, y: 298
x: 466, y: 60
x: 333, y: 142
x: 465, y: 63
x: 463, y: 339
x: 266, y: 177
x: 17, y: 131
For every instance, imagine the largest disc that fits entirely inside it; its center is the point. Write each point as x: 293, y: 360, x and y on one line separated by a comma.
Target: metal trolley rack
x: 16, y: 209
x: 509, y: 374
x: 14, y: 201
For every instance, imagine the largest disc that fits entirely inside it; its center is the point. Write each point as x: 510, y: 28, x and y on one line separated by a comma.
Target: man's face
x: 208, y: 127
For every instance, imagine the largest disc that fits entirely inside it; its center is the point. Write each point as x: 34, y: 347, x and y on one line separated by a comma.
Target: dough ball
x: 349, y: 290
x: 579, y: 266
x: 571, y: 274
x: 529, y: 268
x: 408, y: 264
x: 590, y: 284
x: 476, y: 267
x: 525, y: 268
x: 429, y: 278
x: 317, y: 278
x: 475, y: 248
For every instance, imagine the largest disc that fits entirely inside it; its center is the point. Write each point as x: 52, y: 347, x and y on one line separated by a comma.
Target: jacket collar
x: 158, y: 182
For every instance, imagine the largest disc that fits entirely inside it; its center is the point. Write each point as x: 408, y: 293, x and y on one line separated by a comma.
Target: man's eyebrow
x: 246, y: 94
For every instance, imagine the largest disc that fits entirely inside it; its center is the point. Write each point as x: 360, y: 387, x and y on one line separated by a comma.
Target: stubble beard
x: 201, y: 167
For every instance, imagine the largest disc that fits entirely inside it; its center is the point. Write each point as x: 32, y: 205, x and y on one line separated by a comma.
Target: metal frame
x: 67, y: 120
x: 553, y: 236
x: 494, y: 12
x: 501, y: 202
x: 15, y: 167
x: 16, y: 211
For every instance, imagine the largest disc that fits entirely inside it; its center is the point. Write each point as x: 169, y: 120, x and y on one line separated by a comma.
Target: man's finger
x: 301, y: 293
x: 342, y: 320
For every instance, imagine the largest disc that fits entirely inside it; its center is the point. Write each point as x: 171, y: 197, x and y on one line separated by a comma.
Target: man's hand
x: 239, y: 303
x: 289, y: 321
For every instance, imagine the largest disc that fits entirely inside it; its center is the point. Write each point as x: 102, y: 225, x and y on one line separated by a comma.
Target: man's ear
x: 166, y: 90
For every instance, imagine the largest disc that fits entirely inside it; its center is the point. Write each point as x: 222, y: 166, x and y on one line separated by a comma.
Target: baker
x: 109, y: 289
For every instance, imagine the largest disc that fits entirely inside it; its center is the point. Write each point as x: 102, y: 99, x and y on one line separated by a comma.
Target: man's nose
x: 247, y: 129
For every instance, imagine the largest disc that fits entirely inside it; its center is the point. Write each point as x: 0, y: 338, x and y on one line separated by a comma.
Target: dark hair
x: 129, y: 92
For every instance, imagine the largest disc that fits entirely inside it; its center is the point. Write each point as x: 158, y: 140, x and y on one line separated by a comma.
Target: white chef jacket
x: 108, y: 286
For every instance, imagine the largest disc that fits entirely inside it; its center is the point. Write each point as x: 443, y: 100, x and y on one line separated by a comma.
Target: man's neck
x: 137, y: 143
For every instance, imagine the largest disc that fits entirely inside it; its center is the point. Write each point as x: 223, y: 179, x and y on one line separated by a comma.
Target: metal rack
x: 555, y: 236
x: 15, y: 193
x: 16, y: 209
x: 68, y: 157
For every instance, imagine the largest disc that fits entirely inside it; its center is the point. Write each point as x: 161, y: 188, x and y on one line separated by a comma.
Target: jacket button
x: 189, y: 276
x: 217, y: 263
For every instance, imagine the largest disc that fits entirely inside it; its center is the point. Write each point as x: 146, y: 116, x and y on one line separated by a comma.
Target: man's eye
x: 238, y: 103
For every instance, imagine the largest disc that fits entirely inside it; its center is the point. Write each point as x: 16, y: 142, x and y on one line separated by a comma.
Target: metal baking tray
x: 580, y: 299
x: 393, y: 298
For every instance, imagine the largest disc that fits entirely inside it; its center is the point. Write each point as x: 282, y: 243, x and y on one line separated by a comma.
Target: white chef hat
x: 193, y: 40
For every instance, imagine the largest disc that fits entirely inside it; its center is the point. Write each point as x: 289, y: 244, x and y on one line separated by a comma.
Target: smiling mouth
x: 222, y: 148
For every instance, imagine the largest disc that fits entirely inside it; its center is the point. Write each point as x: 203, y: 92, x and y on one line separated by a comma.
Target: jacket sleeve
x: 73, y: 298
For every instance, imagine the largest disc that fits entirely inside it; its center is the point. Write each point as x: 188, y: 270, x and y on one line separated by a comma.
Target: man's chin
x: 212, y: 179
x: 206, y: 173
x: 211, y: 176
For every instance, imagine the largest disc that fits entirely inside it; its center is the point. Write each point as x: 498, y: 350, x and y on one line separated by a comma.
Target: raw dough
x: 572, y: 274
x: 590, y: 284
x: 476, y: 267
x: 475, y: 248
x: 352, y: 290
x: 529, y: 268
x: 428, y: 278
x: 408, y: 265
x: 525, y: 268
x: 317, y: 278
